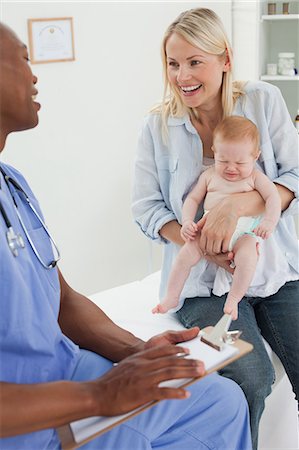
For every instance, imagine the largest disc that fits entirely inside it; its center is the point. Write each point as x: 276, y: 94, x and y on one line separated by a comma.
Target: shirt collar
x: 184, y: 120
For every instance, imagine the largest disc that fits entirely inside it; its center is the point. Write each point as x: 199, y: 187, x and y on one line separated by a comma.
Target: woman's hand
x: 222, y: 260
x: 217, y: 227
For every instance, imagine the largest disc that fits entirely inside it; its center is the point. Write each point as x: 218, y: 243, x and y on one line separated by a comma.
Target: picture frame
x: 51, y: 40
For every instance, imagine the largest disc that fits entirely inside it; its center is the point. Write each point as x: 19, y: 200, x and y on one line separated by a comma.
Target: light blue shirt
x: 164, y: 174
x: 33, y: 347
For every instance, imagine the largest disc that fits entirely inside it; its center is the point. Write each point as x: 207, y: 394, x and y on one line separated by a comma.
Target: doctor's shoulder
x: 16, y: 175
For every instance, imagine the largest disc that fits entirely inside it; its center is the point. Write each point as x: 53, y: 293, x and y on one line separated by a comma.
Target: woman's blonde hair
x: 202, y: 28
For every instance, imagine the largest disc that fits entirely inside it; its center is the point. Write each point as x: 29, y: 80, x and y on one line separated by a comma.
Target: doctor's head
x: 18, y: 110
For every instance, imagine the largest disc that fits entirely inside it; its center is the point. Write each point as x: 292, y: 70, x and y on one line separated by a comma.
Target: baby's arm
x: 269, y: 192
x: 193, y: 199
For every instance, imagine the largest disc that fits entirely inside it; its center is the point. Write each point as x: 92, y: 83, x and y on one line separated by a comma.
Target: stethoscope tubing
x: 8, y: 180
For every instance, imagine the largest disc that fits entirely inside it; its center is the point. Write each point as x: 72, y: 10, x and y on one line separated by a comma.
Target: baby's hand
x: 189, y: 230
x: 265, y: 228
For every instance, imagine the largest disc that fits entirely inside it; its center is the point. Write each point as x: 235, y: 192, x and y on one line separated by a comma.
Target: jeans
x: 214, y: 417
x: 276, y: 318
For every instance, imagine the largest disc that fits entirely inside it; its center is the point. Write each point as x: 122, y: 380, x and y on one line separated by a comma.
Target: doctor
x: 53, y: 339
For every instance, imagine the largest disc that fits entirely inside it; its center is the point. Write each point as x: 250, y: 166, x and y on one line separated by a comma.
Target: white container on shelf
x: 286, y: 63
x: 271, y: 69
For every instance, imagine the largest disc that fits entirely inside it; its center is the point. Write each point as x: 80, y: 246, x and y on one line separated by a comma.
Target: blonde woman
x: 174, y: 148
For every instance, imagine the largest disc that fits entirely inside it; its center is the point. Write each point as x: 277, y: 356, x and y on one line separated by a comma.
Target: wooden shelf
x: 280, y: 17
x: 279, y: 78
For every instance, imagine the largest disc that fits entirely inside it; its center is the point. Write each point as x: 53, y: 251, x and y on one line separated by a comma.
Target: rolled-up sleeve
x: 149, y: 207
x: 285, y: 144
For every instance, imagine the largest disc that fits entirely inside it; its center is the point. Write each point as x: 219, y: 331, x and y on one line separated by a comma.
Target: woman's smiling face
x: 195, y: 74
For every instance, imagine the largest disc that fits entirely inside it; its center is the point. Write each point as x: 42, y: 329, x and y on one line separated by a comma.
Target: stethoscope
x: 15, y: 240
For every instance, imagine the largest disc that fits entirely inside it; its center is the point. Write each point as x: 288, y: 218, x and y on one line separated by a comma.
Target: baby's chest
x: 218, y: 184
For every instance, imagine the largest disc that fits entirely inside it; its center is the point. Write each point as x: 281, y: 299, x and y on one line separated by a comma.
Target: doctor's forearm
x: 31, y: 407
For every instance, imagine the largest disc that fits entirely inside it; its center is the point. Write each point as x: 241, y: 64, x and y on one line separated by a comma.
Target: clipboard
x: 70, y: 442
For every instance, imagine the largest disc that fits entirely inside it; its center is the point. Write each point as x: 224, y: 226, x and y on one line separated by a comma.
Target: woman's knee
x: 255, y: 380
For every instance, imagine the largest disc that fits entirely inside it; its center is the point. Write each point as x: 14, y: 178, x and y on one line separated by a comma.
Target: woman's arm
x: 149, y: 206
x: 218, y: 226
x: 286, y: 196
x: 171, y: 232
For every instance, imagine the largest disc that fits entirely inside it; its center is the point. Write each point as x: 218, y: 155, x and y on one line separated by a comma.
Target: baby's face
x: 235, y: 160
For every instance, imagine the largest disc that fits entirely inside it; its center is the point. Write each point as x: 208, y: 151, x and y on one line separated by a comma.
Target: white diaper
x: 245, y: 225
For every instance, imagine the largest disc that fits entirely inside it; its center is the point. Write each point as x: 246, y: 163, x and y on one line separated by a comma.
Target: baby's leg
x: 245, y: 260
x: 188, y: 256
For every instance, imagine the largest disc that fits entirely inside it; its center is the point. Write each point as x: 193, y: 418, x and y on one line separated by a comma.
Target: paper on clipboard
x: 84, y: 428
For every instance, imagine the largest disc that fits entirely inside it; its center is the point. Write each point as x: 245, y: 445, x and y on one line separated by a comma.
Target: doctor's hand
x: 216, y: 228
x: 135, y: 380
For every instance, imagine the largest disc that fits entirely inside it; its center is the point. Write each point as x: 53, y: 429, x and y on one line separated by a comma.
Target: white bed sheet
x: 130, y: 306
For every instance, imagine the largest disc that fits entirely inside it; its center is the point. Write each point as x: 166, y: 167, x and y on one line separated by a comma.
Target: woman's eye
x: 173, y: 64
x: 195, y: 62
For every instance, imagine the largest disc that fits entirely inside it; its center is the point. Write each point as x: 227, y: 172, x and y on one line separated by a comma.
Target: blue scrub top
x: 33, y: 347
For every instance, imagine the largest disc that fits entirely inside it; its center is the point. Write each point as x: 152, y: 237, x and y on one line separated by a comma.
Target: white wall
x: 79, y: 160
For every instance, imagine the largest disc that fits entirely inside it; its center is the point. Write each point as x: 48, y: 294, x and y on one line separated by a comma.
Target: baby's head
x: 235, y: 147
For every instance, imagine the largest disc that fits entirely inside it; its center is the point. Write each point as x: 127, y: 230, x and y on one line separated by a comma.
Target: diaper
x: 245, y: 225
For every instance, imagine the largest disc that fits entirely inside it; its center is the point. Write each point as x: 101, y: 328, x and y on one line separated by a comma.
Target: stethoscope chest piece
x: 15, y: 241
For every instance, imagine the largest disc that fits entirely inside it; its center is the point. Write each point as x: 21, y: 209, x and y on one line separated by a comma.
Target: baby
x: 236, y: 149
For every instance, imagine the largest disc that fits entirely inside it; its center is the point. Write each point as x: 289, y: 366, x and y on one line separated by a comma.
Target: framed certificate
x: 51, y: 40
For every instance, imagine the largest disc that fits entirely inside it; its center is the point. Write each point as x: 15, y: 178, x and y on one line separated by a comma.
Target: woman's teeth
x: 190, y: 88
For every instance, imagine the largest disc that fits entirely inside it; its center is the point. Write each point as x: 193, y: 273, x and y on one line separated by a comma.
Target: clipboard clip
x: 219, y: 336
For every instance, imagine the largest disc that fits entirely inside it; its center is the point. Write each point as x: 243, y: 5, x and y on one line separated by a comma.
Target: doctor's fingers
x: 161, y: 368
x: 158, y: 351
x: 172, y: 372
x: 174, y: 362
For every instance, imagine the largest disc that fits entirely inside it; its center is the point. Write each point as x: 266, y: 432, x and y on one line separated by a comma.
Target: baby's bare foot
x: 231, y: 307
x: 159, y: 309
x: 165, y: 306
